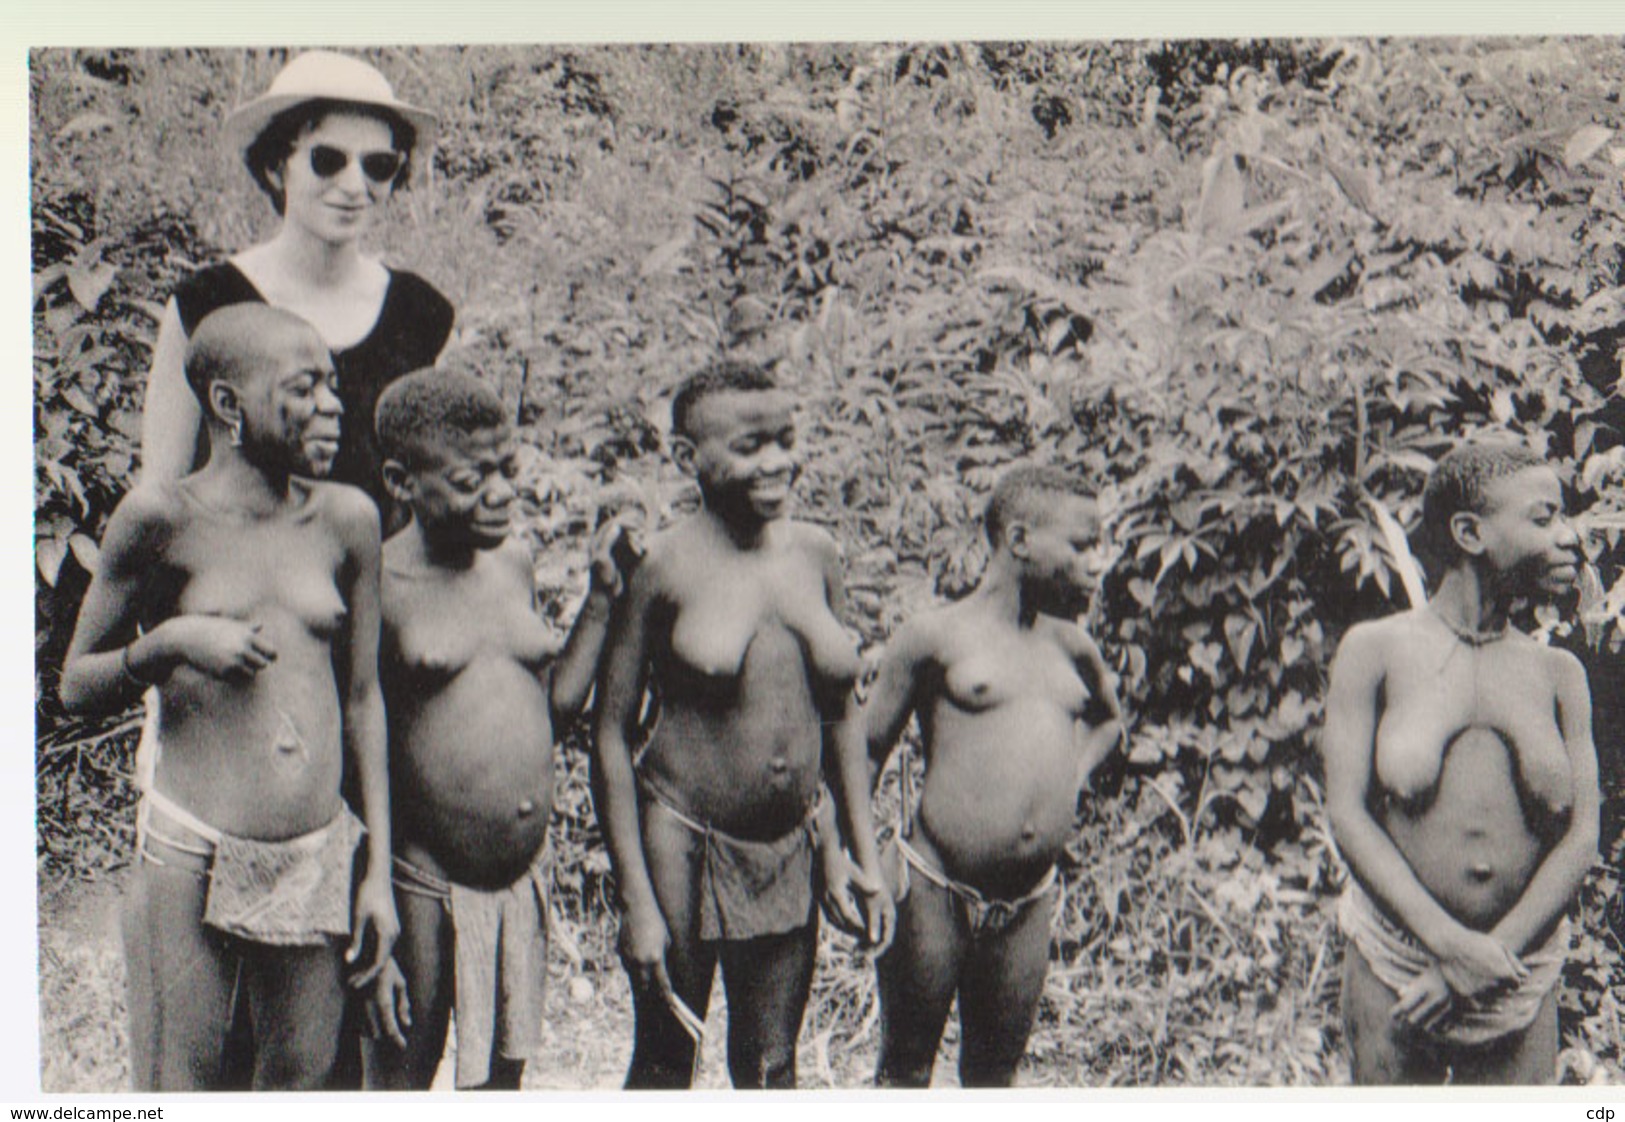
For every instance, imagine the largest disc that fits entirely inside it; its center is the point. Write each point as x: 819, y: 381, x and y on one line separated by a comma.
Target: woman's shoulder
x: 412, y: 290
x: 212, y: 287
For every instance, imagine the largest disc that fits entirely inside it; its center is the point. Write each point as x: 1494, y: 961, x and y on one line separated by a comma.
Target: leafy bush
x: 1254, y: 290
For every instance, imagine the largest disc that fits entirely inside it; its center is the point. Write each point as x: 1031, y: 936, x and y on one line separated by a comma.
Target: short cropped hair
x: 272, y: 147
x: 1459, y: 483
x: 230, y: 338
x: 1023, y: 494
x: 430, y: 408
x: 724, y: 377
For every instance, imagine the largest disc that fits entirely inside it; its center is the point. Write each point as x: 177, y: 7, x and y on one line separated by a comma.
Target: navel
x: 289, y: 753
x: 778, y: 765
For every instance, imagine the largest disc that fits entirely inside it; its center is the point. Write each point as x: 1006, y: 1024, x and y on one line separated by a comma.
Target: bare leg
x: 424, y: 952
x: 1382, y: 1052
x: 662, y: 1053
x: 767, y: 981
x: 505, y: 1075
x: 181, y: 978
x: 998, y: 996
x: 237, y: 1068
x: 297, y: 995
x: 1527, y: 1057
x: 918, y: 975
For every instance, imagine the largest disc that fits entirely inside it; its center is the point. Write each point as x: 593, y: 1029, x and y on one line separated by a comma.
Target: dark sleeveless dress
x: 412, y: 327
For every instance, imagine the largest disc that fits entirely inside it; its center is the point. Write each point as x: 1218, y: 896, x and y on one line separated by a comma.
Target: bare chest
x: 1432, y: 699
x: 261, y: 572
x: 716, y: 619
x: 1027, y: 669
x: 442, y: 627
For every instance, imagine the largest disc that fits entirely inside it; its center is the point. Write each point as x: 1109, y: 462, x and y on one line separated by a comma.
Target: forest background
x: 1254, y: 289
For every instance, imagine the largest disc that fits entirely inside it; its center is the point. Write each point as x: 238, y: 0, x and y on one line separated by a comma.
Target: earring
x: 237, y: 432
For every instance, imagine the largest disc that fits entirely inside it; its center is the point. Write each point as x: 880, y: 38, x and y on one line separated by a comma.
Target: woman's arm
x: 108, y: 665
x: 861, y: 901
x: 615, y: 793
x: 362, y: 715
x: 170, y: 415
x: 893, y: 697
x: 1103, y: 718
x: 577, y: 665
x: 1554, y: 884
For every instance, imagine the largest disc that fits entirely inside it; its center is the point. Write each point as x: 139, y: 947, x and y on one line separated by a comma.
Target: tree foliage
x: 1254, y: 290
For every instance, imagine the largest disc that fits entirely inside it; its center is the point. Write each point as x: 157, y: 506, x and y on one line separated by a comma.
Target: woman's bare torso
x: 1470, y: 761
x: 748, y: 661
x: 1001, y: 730
x: 259, y: 757
x: 471, y: 733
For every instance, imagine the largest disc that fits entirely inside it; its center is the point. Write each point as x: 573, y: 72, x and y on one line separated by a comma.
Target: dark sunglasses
x: 380, y: 167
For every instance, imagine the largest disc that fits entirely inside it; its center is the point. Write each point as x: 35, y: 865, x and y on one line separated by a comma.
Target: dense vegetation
x: 1254, y: 289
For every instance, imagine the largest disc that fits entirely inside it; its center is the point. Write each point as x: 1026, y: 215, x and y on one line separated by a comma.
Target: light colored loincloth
x: 294, y: 892
x: 499, y: 939
x: 1398, y: 959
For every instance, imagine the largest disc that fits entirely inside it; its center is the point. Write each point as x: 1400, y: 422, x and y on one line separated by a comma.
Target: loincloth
x: 748, y: 888
x: 499, y: 940
x: 1397, y: 958
x: 983, y: 914
x: 292, y: 893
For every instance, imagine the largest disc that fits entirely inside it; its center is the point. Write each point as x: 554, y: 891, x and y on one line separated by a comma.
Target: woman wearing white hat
x: 328, y: 143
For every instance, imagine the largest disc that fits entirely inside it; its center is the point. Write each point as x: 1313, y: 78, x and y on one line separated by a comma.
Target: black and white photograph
x: 829, y: 564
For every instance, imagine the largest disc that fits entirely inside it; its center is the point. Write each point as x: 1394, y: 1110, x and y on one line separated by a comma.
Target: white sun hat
x: 323, y: 76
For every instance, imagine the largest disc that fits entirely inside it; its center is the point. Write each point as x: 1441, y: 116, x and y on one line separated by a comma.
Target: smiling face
x: 330, y: 199
x: 742, y: 449
x: 287, y: 401
x: 461, y: 487
x: 1062, y: 552
x: 1522, y: 533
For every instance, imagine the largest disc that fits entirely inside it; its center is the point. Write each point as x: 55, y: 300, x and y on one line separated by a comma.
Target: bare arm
x: 1554, y: 884
x: 845, y: 764
x: 362, y: 715
x: 612, y: 547
x: 620, y: 696
x: 170, y: 414
x: 107, y: 663
x: 893, y: 697
x: 1103, y: 717
x: 93, y: 675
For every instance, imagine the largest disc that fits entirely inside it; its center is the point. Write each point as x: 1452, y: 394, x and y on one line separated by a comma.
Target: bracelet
x: 124, y: 665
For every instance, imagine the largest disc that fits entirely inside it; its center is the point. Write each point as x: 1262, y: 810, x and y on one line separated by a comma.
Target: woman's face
x: 328, y: 181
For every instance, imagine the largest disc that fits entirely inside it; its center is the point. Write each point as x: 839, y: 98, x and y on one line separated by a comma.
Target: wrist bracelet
x: 124, y: 664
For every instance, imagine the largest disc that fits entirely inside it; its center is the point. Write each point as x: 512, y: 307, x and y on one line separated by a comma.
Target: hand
x: 221, y: 647
x: 389, y: 1011
x: 374, y: 911
x: 1424, y: 1004
x: 643, y: 942
x: 865, y: 681
x: 615, y: 550
x: 1475, y: 964
x: 857, y: 902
